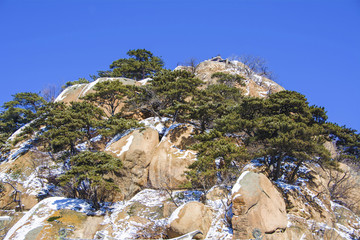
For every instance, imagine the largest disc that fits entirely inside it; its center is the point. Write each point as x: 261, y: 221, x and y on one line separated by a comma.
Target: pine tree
x: 109, y: 95
x: 89, y: 177
x: 141, y: 64
x: 175, y: 89
x: 21, y: 110
x: 278, y: 130
x: 230, y: 80
x: 347, y: 141
x: 79, y: 81
x: 212, y: 102
x: 68, y: 125
x: 116, y: 124
x: 219, y: 159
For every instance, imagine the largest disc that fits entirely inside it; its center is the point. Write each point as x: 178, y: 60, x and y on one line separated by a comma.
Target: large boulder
x: 170, y: 159
x: 256, y: 204
x: 75, y: 92
x: 135, y: 151
x: 47, y: 217
x: 190, y: 217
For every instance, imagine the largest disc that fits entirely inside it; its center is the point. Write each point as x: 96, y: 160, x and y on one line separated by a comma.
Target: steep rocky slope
x: 153, y: 204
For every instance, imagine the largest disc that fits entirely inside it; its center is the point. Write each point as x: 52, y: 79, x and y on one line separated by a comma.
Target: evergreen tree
x: 175, y: 89
x: 280, y: 129
x: 109, y: 95
x: 68, y: 125
x: 219, y: 159
x: 230, y: 80
x: 116, y: 124
x: 347, y: 142
x: 79, y: 81
x: 89, y: 177
x: 141, y: 64
x: 212, y: 102
x: 21, y: 110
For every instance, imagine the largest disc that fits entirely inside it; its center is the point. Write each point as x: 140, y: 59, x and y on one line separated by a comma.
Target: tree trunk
x: 292, y: 177
x: 278, y: 168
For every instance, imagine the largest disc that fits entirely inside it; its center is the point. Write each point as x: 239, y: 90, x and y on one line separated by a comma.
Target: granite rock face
x: 190, y: 217
x: 257, y: 204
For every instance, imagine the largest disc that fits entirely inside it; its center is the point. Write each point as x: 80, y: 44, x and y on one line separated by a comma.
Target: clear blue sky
x: 312, y: 46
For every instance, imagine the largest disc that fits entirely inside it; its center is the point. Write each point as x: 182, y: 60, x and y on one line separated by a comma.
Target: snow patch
x: 37, y: 215
x: 17, y: 152
x: 156, y: 123
x: 144, y: 81
x: 20, y: 130
x: 117, y: 138
x: 64, y: 93
x: 175, y: 214
x: 237, y: 185
x: 126, y: 147
x: 88, y: 87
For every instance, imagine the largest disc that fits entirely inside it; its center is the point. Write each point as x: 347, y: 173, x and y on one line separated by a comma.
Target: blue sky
x: 313, y: 47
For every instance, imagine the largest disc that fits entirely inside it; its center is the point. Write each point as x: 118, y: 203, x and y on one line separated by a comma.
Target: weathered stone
x: 256, y: 86
x: 216, y: 193
x: 190, y: 217
x: 256, y: 205
x: 170, y: 159
x: 169, y: 208
x: 135, y: 151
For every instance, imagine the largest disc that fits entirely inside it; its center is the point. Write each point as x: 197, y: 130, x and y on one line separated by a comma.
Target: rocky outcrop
x: 170, y: 158
x: 47, y: 217
x: 255, y: 85
x: 75, y: 92
x: 190, y: 217
x: 257, y: 206
x: 135, y: 151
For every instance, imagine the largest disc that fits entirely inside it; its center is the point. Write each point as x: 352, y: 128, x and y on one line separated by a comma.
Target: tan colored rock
x: 135, y: 151
x: 216, y: 193
x: 77, y: 91
x: 190, y: 217
x: 257, y: 204
x: 255, y: 86
x: 170, y: 159
x: 331, y: 147
x: 168, y: 209
x: 20, y: 173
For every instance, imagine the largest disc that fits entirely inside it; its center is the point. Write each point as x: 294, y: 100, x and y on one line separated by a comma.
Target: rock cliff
x: 153, y: 202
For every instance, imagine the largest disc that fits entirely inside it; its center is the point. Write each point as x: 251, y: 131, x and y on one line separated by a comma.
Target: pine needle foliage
x: 89, y: 176
x: 140, y: 64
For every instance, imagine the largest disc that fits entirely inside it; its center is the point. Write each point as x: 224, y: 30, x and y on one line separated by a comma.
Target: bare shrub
x: 343, y: 187
x: 254, y: 65
x: 192, y: 63
x: 50, y: 92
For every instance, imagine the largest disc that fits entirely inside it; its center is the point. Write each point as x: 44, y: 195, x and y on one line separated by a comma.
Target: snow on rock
x: 237, y: 185
x: 116, y: 138
x: 125, y: 226
x: 21, y: 149
x: 219, y: 228
x: 66, y: 91
x: 145, y: 81
x: 126, y: 147
x: 175, y: 214
x: 40, y: 212
x: 20, y: 130
x: 156, y: 123
x: 88, y: 87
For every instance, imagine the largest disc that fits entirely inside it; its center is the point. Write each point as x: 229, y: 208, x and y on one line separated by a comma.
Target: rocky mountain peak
x: 256, y: 85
